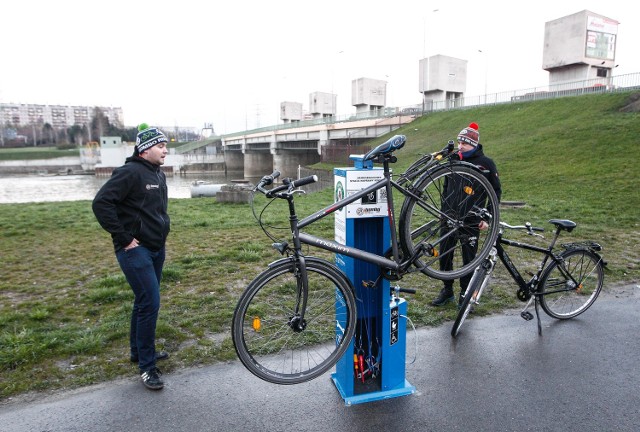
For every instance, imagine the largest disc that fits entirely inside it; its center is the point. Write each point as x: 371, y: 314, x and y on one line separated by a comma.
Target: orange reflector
x: 256, y: 324
x: 468, y: 190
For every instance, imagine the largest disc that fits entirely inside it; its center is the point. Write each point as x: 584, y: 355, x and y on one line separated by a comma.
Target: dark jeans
x: 468, y: 253
x: 143, y: 270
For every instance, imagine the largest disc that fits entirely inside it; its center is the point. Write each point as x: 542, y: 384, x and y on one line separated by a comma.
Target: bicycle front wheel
x: 443, y: 223
x: 471, y: 297
x: 274, y: 342
x: 560, y: 296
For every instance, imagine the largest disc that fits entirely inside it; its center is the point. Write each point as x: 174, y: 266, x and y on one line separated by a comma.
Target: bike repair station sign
x: 348, y: 181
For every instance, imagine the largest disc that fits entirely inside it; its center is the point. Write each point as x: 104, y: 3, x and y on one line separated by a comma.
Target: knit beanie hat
x: 148, y: 137
x: 470, y: 135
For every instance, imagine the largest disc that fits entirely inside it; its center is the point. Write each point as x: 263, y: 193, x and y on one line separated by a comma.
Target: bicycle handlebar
x: 268, y: 179
x: 446, y: 151
x: 287, y: 183
x: 303, y: 181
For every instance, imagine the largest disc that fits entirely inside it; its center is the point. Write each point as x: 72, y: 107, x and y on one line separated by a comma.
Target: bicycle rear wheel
x: 268, y: 336
x: 560, y: 297
x: 471, y: 297
x: 443, y: 222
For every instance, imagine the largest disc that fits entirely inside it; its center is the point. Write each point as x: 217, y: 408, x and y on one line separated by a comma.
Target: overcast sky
x: 231, y: 63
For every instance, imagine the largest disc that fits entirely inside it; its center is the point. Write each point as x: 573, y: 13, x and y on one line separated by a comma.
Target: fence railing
x: 626, y: 82
x: 325, y: 178
x: 562, y: 89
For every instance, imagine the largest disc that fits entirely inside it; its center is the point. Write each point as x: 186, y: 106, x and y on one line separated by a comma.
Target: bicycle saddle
x: 394, y: 143
x: 564, y: 224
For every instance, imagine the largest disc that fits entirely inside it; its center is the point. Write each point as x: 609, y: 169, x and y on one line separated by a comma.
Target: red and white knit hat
x: 470, y: 135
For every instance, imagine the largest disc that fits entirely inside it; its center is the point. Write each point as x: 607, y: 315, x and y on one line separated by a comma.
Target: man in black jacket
x: 469, y: 150
x: 132, y: 207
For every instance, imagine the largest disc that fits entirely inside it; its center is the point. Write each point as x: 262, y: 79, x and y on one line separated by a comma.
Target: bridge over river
x: 285, y: 147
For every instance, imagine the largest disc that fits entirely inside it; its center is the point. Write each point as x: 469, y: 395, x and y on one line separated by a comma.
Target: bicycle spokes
x: 569, y: 287
x: 445, y: 223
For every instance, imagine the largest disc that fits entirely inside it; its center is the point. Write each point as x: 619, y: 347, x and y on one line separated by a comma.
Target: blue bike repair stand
x: 381, y: 326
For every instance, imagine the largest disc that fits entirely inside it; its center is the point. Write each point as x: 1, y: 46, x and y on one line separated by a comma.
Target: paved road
x: 498, y: 375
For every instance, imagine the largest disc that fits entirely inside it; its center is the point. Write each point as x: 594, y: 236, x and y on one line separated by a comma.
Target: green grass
x: 31, y: 153
x: 64, y: 304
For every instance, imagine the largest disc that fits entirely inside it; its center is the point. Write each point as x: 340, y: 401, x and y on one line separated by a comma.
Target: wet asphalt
x: 498, y: 375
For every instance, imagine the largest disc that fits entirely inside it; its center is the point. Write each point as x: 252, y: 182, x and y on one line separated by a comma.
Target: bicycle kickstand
x: 538, y: 316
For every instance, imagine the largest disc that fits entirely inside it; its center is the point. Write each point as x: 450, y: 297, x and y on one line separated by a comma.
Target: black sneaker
x: 160, y: 355
x: 445, y: 296
x: 151, y: 379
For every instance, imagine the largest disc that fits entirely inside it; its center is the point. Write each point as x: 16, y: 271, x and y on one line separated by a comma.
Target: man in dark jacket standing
x: 132, y: 207
x: 469, y: 150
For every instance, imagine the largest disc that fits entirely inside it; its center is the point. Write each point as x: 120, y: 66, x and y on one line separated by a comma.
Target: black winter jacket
x: 456, y: 202
x: 479, y: 159
x: 133, y: 204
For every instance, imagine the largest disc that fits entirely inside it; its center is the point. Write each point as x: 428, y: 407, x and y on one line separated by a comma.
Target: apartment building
x: 58, y: 116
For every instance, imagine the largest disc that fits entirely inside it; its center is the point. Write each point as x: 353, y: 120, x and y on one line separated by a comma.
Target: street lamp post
x: 424, y: 56
x: 486, y: 73
x: 424, y: 35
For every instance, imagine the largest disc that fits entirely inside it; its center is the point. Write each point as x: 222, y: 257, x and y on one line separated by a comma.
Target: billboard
x: 601, y: 38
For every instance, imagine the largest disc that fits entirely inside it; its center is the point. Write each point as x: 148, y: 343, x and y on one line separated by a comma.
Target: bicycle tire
x: 269, y: 347
x: 557, y: 297
x: 421, y: 220
x: 471, y: 296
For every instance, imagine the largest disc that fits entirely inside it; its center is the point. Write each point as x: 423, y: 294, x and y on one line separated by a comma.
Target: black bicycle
x: 296, y: 319
x: 565, y: 288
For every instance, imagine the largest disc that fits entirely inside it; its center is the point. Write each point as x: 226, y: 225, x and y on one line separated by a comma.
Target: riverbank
x: 20, y: 188
x: 56, y: 166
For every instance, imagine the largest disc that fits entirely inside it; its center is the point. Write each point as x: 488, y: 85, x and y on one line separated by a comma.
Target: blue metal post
x: 381, y: 326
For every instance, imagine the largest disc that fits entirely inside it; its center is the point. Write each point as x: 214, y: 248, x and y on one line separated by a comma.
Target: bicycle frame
x: 530, y: 292
x: 528, y: 287
x: 388, y: 184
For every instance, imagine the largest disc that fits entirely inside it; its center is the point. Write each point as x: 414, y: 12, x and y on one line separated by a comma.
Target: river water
x: 23, y: 189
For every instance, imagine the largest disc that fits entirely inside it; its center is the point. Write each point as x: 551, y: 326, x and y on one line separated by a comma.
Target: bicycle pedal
x: 528, y: 316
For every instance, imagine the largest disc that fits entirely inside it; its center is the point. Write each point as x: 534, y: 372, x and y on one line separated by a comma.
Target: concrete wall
x: 368, y: 91
x: 257, y: 164
x: 322, y: 104
x: 287, y: 161
x: 290, y: 111
x: 234, y: 160
x: 444, y: 73
x: 63, y: 165
x: 580, y: 46
x: 574, y: 39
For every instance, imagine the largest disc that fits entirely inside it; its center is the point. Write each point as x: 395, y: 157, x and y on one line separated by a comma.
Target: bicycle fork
x: 297, y: 321
x: 483, y: 271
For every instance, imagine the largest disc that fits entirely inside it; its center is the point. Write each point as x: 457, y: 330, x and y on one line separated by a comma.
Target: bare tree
x: 49, y: 135
x: 99, y: 125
